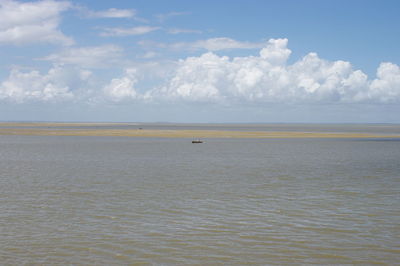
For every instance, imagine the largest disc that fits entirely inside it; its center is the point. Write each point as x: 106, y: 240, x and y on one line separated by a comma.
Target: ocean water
x: 151, y: 201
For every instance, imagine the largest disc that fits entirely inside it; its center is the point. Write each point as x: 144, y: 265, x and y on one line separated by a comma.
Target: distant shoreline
x: 60, y: 129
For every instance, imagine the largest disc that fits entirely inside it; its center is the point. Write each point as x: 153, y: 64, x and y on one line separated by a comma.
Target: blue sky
x: 200, y: 61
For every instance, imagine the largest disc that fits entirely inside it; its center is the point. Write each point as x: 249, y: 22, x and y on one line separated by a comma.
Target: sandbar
x: 43, y: 129
x: 61, y: 124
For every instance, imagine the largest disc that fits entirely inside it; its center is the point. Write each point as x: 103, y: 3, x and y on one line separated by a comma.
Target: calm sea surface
x: 119, y: 200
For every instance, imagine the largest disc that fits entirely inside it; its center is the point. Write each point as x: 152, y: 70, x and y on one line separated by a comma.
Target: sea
x: 85, y: 200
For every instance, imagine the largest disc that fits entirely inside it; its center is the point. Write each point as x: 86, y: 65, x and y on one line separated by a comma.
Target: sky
x: 221, y: 61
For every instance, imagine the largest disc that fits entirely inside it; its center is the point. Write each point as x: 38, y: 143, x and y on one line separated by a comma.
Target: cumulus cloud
x: 90, y: 57
x: 32, y: 22
x: 261, y: 79
x: 386, y: 86
x: 122, y: 88
x: 276, y: 52
x: 56, y: 85
x: 127, y: 31
x: 268, y: 78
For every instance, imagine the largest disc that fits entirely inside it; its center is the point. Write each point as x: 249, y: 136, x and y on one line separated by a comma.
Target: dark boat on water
x: 197, y: 141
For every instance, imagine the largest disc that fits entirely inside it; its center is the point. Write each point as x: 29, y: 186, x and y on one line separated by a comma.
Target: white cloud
x: 276, y: 52
x: 90, y: 57
x: 138, y: 81
x: 197, y: 82
x: 261, y: 79
x: 56, y: 85
x: 127, y: 31
x: 122, y: 88
x: 179, y: 31
x: 112, y: 13
x: 32, y: 22
x: 387, y: 85
x: 268, y: 78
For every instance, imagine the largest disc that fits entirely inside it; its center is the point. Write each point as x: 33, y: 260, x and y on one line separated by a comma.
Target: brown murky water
x: 118, y: 201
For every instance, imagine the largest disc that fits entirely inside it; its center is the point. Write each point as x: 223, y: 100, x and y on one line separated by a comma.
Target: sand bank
x: 59, y: 124
x: 202, y: 134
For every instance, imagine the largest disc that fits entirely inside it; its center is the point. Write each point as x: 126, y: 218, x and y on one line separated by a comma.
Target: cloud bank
x: 261, y: 79
x: 268, y: 78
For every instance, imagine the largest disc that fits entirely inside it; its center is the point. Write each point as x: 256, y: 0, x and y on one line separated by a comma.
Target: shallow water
x: 119, y: 200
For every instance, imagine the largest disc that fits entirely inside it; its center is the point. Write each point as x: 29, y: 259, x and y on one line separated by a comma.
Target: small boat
x: 197, y: 141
